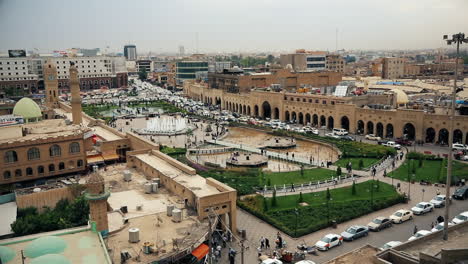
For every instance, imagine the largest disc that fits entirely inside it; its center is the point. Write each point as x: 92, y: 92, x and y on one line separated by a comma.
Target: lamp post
x: 456, y: 39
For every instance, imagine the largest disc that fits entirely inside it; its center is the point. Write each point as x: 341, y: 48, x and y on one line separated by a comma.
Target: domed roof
x: 6, y: 254
x: 45, y: 245
x: 27, y: 108
x: 51, y: 259
x: 401, y: 97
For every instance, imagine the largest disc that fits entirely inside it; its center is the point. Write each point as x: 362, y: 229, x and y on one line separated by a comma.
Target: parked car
x: 347, y: 137
x: 340, y: 131
x: 354, y: 232
x: 382, y: 142
x: 422, y: 208
x: 458, y: 146
x: 271, y: 261
x: 372, y: 137
x: 462, y: 217
x: 404, y: 142
x: 305, y: 262
x: 329, y: 241
x: 392, y: 144
x: 401, y: 216
x: 314, y: 131
x: 390, y: 244
x: 461, y: 193
x: 419, y: 234
x: 332, y: 135
x: 379, y: 223
x: 440, y: 226
x: 438, y: 201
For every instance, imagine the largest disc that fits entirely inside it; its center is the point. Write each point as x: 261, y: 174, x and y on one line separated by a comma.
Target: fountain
x: 165, y: 126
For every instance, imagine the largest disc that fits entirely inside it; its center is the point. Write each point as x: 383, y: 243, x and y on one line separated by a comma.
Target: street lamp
x: 456, y: 39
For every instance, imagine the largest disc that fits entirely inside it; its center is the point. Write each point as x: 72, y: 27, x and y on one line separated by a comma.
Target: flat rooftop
x: 105, y: 134
x: 8, y: 217
x: 195, y: 183
x: 362, y: 255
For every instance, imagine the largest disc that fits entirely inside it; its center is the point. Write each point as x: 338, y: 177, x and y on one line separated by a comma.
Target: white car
x: 315, y: 131
x: 305, y: 262
x: 419, y: 234
x: 440, y: 226
x: 392, y: 144
x: 438, y: 201
x: 390, y: 244
x: 401, y: 216
x: 422, y: 208
x: 271, y: 261
x: 463, y: 217
x: 373, y: 137
x: 329, y: 241
x: 458, y: 146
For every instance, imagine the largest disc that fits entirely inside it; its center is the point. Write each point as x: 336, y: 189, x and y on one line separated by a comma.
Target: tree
x: 273, y: 199
x: 338, y: 171
x: 142, y: 74
x: 301, y: 199
x: 265, y: 204
x: 353, y: 188
x: 361, y: 164
x: 269, y: 182
x: 270, y: 58
x: 420, y: 164
x: 328, y: 194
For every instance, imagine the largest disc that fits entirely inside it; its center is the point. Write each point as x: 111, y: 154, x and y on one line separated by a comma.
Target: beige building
x: 393, y: 68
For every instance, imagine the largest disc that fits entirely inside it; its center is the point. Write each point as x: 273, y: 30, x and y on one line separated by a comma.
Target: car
x: 390, y: 244
x: 392, y: 144
x: 422, y: 208
x: 271, y: 261
x: 404, y: 142
x: 419, y: 234
x: 462, y: 217
x: 438, y: 201
x: 372, y: 137
x: 401, y: 216
x: 314, y: 131
x: 347, y: 137
x: 379, y: 223
x: 354, y: 232
x: 305, y: 262
x: 382, y: 142
x: 458, y: 146
x: 340, y: 131
x: 332, y: 135
x: 440, y: 226
x: 461, y: 193
x: 329, y: 241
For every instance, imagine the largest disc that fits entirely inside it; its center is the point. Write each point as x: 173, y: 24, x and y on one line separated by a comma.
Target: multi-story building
x: 185, y: 70
x: 304, y: 60
x: 130, y: 52
x: 335, y: 63
x: 144, y: 64
x: 393, y: 68
x: 17, y: 76
x: 219, y: 66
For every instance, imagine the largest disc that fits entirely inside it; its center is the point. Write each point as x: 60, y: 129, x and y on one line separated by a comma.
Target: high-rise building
x: 130, y: 52
x: 185, y: 70
x: 304, y: 60
x: 181, y: 50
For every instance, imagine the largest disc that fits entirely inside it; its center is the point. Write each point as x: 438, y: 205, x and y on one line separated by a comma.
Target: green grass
x: 172, y: 151
x: 433, y: 171
x: 355, y: 162
x: 318, y: 213
x: 310, y: 175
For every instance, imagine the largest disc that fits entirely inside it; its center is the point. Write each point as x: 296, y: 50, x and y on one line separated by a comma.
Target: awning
x: 110, y: 156
x: 201, y: 251
x: 95, y: 159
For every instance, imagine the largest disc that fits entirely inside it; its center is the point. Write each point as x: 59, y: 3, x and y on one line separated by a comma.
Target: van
x: 340, y: 131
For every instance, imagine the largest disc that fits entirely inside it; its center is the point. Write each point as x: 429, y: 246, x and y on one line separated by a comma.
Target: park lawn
x: 430, y: 171
x: 368, y: 162
x: 172, y: 151
x: 310, y: 175
x: 338, y: 195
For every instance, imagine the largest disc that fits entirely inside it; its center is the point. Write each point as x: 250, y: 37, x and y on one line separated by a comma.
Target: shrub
x: 353, y: 188
x: 301, y: 199
x: 361, y: 164
x: 273, y: 200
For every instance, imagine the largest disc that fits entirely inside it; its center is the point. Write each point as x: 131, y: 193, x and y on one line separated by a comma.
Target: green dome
x: 51, y: 259
x: 27, y: 108
x: 45, y: 245
x: 6, y: 254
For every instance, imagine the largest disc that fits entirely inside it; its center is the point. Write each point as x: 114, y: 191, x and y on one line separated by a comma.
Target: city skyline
x: 224, y: 26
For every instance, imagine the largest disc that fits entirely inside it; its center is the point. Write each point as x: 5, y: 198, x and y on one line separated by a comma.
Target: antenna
x: 196, y: 42
x: 336, y: 40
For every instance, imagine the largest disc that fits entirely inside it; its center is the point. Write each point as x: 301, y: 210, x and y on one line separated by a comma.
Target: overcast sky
x: 229, y: 25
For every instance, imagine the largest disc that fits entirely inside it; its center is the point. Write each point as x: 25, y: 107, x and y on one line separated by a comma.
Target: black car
x: 347, y: 137
x: 461, y: 193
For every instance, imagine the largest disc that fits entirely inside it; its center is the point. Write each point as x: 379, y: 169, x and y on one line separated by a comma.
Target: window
x: 61, y: 166
x: 324, y: 102
x: 79, y: 163
x: 7, y: 175
x: 55, y: 150
x: 40, y: 170
x: 34, y: 153
x: 29, y: 171
x: 18, y: 173
x: 316, y: 101
x: 10, y: 156
x: 74, y: 147
x: 51, y: 167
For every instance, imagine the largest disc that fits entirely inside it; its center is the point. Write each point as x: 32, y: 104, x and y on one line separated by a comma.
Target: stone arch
x: 389, y: 131
x: 430, y: 135
x: 294, y: 117
x: 370, y: 127
x: 218, y: 101
x: 286, y: 116
x: 248, y: 109
x: 276, y: 113
x: 266, y: 108
x: 345, y: 122
x: 307, y: 119
x: 379, y: 130
x: 330, y: 123
x: 457, y: 136
x: 443, y: 137
x: 301, y: 118
x: 409, y: 132
x: 256, y: 110
x: 315, y: 120
x: 244, y: 110
x: 360, y: 127
x: 323, y: 121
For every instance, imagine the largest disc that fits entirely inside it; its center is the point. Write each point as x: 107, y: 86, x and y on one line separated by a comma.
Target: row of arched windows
x: 34, y: 153
x: 41, y: 170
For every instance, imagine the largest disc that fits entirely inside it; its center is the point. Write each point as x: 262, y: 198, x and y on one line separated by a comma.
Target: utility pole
x: 458, y: 39
x: 242, y: 251
x: 210, y: 236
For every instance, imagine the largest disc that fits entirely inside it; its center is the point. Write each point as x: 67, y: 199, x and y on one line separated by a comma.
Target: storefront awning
x: 95, y: 159
x: 201, y: 251
x: 110, y: 156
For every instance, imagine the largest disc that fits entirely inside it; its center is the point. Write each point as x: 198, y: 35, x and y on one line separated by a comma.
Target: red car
x: 404, y: 142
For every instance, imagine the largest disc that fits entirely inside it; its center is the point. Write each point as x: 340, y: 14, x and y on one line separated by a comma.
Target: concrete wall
x: 137, y: 142
x: 47, y: 198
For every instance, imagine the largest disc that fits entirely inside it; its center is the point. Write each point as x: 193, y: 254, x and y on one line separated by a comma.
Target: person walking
x: 415, y: 230
x: 262, y: 242
x: 267, y: 243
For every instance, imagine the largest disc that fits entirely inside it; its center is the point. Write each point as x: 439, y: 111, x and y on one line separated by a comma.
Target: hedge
x: 417, y: 156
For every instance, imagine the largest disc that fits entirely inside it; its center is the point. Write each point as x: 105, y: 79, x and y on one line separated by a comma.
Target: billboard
x: 16, y: 53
